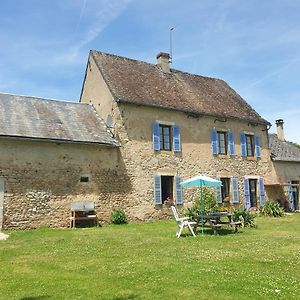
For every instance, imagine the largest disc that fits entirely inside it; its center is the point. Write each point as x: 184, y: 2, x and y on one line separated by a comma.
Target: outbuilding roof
x: 138, y: 82
x: 51, y: 120
x: 283, y: 150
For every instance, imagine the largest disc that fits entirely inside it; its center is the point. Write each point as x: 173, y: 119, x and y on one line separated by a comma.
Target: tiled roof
x: 282, y: 150
x: 142, y: 83
x: 44, y: 119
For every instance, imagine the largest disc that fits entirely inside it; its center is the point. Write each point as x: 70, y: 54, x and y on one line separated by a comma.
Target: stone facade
x: 42, y: 179
x: 132, y: 125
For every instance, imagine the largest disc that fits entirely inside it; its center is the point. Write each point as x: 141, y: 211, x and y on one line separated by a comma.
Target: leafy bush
x: 118, y: 216
x: 248, y: 217
x: 209, y: 202
x: 272, y: 209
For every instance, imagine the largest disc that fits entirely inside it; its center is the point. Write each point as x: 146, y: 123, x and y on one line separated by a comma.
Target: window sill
x: 251, y: 158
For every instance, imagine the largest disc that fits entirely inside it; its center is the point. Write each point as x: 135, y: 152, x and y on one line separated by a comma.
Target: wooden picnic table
x: 218, y: 220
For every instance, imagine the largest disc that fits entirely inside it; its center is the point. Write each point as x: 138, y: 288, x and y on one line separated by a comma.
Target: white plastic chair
x: 182, y: 222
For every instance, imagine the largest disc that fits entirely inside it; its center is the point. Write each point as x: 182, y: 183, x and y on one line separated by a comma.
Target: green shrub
x: 118, y: 216
x: 272, y: 209
x: 209, y: 201
x: 248, y: 217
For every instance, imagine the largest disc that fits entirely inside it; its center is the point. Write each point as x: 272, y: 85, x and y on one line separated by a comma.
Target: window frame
x: 249, y: 140
x: 253, y: 192
x: 225, y: 146
x: 226, y: 182
x: 162, y: 137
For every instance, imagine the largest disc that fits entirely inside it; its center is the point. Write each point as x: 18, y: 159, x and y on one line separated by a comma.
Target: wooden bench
x: 235, y: 225
x: 83, y: 212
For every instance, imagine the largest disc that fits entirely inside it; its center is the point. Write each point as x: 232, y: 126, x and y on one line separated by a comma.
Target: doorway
x: 253, y: 192
x: 295, y: 191
x: 1, y: 201
x: 166, y: 187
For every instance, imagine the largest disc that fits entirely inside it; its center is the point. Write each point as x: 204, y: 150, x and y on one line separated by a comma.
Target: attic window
x: 84, y: 179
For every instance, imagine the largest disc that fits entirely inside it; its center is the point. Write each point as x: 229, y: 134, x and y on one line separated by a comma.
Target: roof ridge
x: 41, y: 98
x: 154, y: 65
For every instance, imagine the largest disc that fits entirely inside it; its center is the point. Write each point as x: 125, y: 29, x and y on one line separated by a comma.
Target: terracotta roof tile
x: 138, y: 82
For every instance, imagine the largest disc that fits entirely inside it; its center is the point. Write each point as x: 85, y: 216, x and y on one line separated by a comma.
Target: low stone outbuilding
x: 54, y: 153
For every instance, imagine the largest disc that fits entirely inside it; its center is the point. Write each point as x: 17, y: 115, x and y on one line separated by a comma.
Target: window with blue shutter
x: 214, y: 141
x: 257, y: 145
x: 219, y: 192
x: 155, y: 136
x: 176, y: 139
x: 157, y: 190
x: 179, y: 192
x: 291, y: 195
x: 235, y: 190
x: 247, y: 193
x: 261, y: 191
x: 243, y: 144
x: 230, y: 143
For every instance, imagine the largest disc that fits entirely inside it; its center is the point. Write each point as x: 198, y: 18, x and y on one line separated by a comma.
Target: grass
x: 147, y: 261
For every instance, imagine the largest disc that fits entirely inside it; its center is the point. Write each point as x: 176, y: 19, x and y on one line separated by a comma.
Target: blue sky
x: 252, y: 45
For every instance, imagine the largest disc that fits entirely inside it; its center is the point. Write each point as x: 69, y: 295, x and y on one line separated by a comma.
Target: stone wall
x: 42, y: 180
x: 142, y: 163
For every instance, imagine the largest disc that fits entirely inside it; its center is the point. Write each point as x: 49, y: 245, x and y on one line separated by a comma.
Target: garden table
x: 216, y: 221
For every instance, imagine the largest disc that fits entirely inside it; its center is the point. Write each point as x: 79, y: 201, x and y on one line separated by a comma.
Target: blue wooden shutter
x: 247, y: 193
x: 179, y: 193
x: 261, y: 191
x: 157, y: 190
x: 257, y: 145
x: 155, y: 136
x: 214, y: 141
x: 291, y: 196
x: 176, y: 139
x: 235, y: 190
x: 230, y: 143
x: 243, y: 144
x: 219, y: 192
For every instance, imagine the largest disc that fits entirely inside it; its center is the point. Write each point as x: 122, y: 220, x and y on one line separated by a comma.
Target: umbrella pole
x: 201, y: 209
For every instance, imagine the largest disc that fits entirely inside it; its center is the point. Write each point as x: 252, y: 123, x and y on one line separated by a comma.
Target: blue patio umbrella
x: 201, y: 180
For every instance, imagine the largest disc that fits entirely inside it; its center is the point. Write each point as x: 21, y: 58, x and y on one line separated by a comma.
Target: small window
x: 84, y: 179
x: 222, y: 142
x: 165, y: 137
x: 225, y: 188
x: 249, y: 145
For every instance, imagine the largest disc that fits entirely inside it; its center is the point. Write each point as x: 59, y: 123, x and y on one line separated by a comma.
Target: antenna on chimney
x: 171, y: 53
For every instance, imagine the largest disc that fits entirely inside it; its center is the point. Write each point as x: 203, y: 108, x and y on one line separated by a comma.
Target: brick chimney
x: 163, y: 60
x: 280, y: 131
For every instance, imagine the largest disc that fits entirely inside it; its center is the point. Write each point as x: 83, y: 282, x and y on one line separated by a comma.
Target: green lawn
x: 147, y: 261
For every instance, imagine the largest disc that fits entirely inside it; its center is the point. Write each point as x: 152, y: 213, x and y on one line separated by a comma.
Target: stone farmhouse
x: 138, y: 131
x: 172, y: 125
